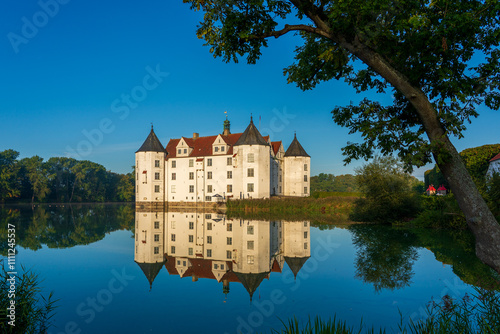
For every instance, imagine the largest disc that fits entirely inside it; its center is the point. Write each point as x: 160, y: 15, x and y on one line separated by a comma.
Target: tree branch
x: 287, y: 29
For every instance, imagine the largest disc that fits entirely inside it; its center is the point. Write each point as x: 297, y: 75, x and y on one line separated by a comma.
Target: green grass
x: 324, y: 210
x: 479, y: 313
x: 33, y: 312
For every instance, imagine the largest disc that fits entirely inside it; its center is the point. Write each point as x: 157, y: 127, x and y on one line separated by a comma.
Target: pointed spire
x: 251, y: 281
x: 251, y: 136
x: 295, y: 149
x: 151, y: 270
x: 295, y: 263
x: 152, y: 143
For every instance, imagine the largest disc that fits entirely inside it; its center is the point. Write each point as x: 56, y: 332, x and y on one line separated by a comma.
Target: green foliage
x: 476, y: 161
x: 424, y: 49
x: 9, y: 169
x: 33, y: 311
x: 440, y: 212
x: 61, y: 180
x: 388, y: 192
x: 330, y: 183
x: 493, y: 195
x: 479, y: 313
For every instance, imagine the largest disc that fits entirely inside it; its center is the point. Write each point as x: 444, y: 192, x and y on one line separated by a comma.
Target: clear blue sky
x: 69, y: 72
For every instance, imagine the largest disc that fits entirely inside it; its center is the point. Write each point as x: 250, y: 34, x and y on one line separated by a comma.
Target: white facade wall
x: 297, y: 241
x: 297, y: 176
x: 258, y: 159
x: 149, y: 237
x: 494, y: 167
x: 150, y: 176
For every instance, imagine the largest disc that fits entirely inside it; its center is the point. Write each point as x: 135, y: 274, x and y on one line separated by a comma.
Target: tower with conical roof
x: 296, y: 171
x: 296, y: 244
x: 150, y: 173
x: 252, y: 153
x: 149, y: 243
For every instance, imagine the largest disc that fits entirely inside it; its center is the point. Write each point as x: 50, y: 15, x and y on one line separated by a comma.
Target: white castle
x: 212, y: 246
x: 220, y: 167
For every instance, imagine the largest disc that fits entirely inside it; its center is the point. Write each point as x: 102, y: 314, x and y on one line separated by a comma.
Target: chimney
x: 196, y: 135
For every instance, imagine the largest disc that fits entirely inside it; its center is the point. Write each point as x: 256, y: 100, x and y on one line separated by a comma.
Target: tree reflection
x: 385, y: 256
x: 63, y: 226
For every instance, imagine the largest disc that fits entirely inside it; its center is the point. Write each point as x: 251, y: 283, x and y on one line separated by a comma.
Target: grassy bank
x: 332, y: 209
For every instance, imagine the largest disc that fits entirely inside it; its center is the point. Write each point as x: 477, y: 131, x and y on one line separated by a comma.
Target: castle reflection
x: 212, y: 246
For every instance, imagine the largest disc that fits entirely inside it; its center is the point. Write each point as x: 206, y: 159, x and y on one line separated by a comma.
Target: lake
x: 115, y: 270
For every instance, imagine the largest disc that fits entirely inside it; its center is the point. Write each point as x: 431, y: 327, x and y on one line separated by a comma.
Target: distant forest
x: 60, y: 180
x: 329, y: 182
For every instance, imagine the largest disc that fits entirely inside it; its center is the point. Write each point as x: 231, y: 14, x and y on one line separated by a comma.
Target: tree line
x: 332, y: 183
x: 60, y: 179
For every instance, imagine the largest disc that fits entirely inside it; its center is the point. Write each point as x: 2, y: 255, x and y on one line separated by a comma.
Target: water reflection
x: 212, y: 246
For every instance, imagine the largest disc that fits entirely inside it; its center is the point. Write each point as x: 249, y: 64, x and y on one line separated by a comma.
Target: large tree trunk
x: 479, y: 218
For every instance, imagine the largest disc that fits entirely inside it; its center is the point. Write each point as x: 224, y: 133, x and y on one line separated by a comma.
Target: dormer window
x: 179, y: 151
x: 222, y: 149
x: 216, y: 149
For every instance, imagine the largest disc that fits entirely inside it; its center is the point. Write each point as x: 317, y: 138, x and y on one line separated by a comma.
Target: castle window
x: 172, y: 237
x: 157, y: 237
x: 190, y: 251
x: 229, y: 227
x: 208, y: 198
x: 174, y: 164
x: 305, y: 245
x: 305, y: 190
x: 250, y: 172
x: 157, y: 176
x: 172, y: 188
x: 305, y: 178
x: 191, y: 238
x: 229, y: 255
x: 250, y: 259
x: 229, y: 240
x: 157, y: 250
x: 305, y: 234
x: 305, y: 167
x: 250, y: 187
x: 250, y: 229
x: 280, y: 189
x: 208, y: 216
x: 172, y: 249
x: 250, y: 157
x: 209, y: 162
x: 179, y: 151
x: 229, y: 188
x: 209, y: 175
x: 191, y: 225
x: 280, y: 177
x: 216, y: 149
x: 222, y: 149
x: 174, y: 176
x: 250, y: 244
x: 185, y: 151
x: 157, y: 225
x: 209, y: 253
x: 209, y: 226
x: 157, y: 163
x: 191, y: 162
x: 191, y: 189
x: 229, y: 174
x: 229, y: 161
x: 191, y: 175
x: 305, y: 224
x: 209, y: 239
x: 157, y: 189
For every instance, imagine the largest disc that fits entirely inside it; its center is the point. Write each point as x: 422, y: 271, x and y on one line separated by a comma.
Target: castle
x: 202, y: 170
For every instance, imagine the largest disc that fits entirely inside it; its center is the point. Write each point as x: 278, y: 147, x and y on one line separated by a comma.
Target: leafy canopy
x: 446, y: 49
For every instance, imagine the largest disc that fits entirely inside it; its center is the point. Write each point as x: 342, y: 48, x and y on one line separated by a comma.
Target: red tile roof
x: 276, y: 267
x: 496, y: 157
x: 276, y: 146
x: 441, y: 188
x: 202, y: 146
x: 431, y: 188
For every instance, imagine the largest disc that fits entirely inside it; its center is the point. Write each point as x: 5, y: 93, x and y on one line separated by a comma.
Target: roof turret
x: 251, y: 136
x: 295, y: 149
x: 151, y: 144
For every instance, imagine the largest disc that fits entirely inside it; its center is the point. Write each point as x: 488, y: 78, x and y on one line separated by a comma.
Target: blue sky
x: 66, y: 77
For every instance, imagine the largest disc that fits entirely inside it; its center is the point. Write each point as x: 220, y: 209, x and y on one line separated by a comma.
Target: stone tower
x: 296, y: 171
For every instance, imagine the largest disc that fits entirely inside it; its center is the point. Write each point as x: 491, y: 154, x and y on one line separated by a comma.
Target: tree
x: 9, y: 169
x: 422, y: 49
x: 388, y: 194
x: 126, y: 186
x: 36, y: 173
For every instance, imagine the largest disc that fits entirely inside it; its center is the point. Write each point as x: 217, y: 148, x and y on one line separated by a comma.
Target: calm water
x: 118, y: 271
